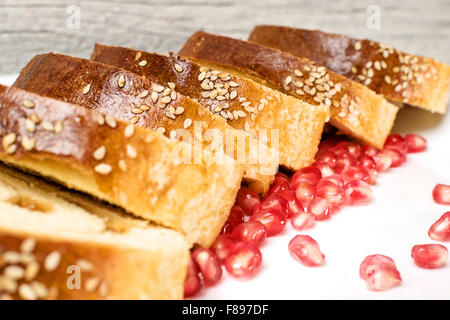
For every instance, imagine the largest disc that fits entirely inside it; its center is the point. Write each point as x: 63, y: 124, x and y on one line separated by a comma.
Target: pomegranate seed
x: 376, y: 259
x: 397, y: 158
x: 275, y: 202
x: 415, y: 143
x: 279, y: 183
x: 302, y: 220
x: 294, y: 205
x: 236, y: 216
x: 441, y: 194
x: 247, y: 200
x: 373, y: 174
x: 306, y: 250
x: 273, y: 220
x: 383, y: 161
x: 224, y: 244
x: 396, y: 141
x: 429, y: 256
x: 244, y: 260
x: 370, y: 151
x: 325, y: 169
x: 355, y: 173
x: 306, y: 175
x: 350, y: 147
x: 251, y: 231
x: 328, y: 158
x: 440, y: 230
x: 357, y: 192
x: 305, y: 192
x: 344, y: 160
x: 320, y: 209
x: 332, y: 192
x: 209, y: 265
x: 226, y: 229
x: 328, y: 143
x: 193, y: 282
x: 367, y: 162
x: 379, y: 272
x: 336, y: 179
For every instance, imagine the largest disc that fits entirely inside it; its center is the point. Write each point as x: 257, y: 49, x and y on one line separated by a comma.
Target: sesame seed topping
x: 103, y: 168
x: 129, y: 131
x: 138, y: 55
x: 201, y: 76
x: 31, y: 270
x: 160, y: 130
x: 121, y: 81
x: 86, y: 89
x: 40, y: 290
x: 111, y: 121
x: 8, y: 140
x: 137, y: 110
x: 131, y: 152
x: 58, y: 127
x: 100, y: 153
x: 134, y: 120
x: 122, y: 165
x: 91, y: 284
x: 48, y: 126
x: 28, y: 245
x: 52, y: 261
x: 100, y: 119
x: 26, y: 292
x: 187, y: 123
x: 11, y: 149
x: 159, y: 88
x: 14, y: 272
x: 178, y: 67
x: 171, y: 85
x: 28, y: 143
x: 28, y: 103
x: 179, y: 110
x: 357, y: 45
x: 143, y: 94
x: 233, y: 84
x: 30, y: 125
x: 143, y: 63
x: 288, y: 80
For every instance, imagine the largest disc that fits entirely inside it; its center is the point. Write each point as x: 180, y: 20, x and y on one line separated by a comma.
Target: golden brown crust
x: 96, y: 86
x: 227, y: 95
x: 400, y: 77
x: 2, y: 89
x: 125, y: 165
x: 355, y: 109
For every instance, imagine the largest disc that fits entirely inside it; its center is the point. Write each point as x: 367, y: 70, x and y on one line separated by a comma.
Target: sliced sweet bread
x: 243, y: 103
x: 129, y: 166
x: 129, y: 97
x: 399, y: 76
x: 355, y: 109
x: 57, y: 244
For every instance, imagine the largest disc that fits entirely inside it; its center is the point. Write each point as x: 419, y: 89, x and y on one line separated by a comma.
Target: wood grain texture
x: 29, y: 27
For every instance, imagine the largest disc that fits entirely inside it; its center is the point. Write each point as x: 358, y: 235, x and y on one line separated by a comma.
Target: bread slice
x: 148, y: 104
x: 57, y: 244
x: 399, y: 76
x: 300, y: 124
x: 132, y: 167
x: 355, y: 109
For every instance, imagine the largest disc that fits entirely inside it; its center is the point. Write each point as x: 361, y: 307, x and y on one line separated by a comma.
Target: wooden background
x: 29, y: 27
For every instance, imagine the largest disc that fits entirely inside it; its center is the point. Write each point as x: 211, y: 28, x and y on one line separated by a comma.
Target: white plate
x: 398, y: 218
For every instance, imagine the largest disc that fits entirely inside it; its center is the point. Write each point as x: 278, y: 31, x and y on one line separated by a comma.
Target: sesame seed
x: 129, y: 131
x: 143, y: 63
x: 31, y: 270
x: 377, y: 65
x: 131, y: 152
x: 171, y: 85
x: 30, y: 125
x: 138, y: 56
x: 298, y: 73
x: 28, y: 103
x: 288, y: 80
x: 160, y: 130
x: 26, y: 292
x: 11, y: 149
x: 178, y: 67
x: 52, y: 261
x: 28, y: 245
x: 387, y: 79
x: 111, y: 121
x: 14, y: 272
x: 103, y: 168
x: 233, y: 84
x: 11, y: 257
x: 201, y: 76
x: 28, y: 143
x: 58, y: 127
x: 40, y: 290
x: 154, y: 96
x: 179, y: 110
x: 91, y: 284
x: 144, y: 107
x: 166, y: 92
x: 143, y: 94
x: 187, y: 123
x: 173, y: 95
x: 100, y: 119
x: 204, y: 69
x: 233, y: 94
x: 121, y: 81
x: 8, y: 140
x: 48, y: 126
x: 134, y: 120
x: 122, y: 165
x: 100, y: 153
x: 357, y: 45
x: 86, y: 89
x: 398, y: 87
x: 103, y: 289
x: 166, y: 99
x: 159, y: 88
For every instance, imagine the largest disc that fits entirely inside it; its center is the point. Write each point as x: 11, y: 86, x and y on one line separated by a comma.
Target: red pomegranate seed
x: 355, y: 173
x: 236, y: 216
x: 396, y: 141
x: 332, y: 192
x: 383, y: 161
x: 328, y: 158
x: 209, y: 265
x: 305, y: 192
x: 336, y: 179
x: 415, y: 143
x: 247, y: 200
x: 306, y: 250
x: 320, y: 209
x: 294, y: 205
x: 306, y: 175
x: 350, y: 147
x: 440, y: 230
x: 344, y: 160
x: 251, y: 231
x: 279, y: 183
x: 244, y: 260
x: 370, y: 151
x: 379, y: 272
x: 193, y: 282
x: 396, y: 155
x: 273, y: 220
x: 357, y: 192
x: 365, y: 270
x: 328, y: 143
x: 224, y: 244
x: 276, y: 202
x: 441, y: 194
x: 367, y: 162
x: 227, y: 228
x: 302, y: 220
x: 373, y: 175
x: 429, y: 256
x: 325, y: 169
